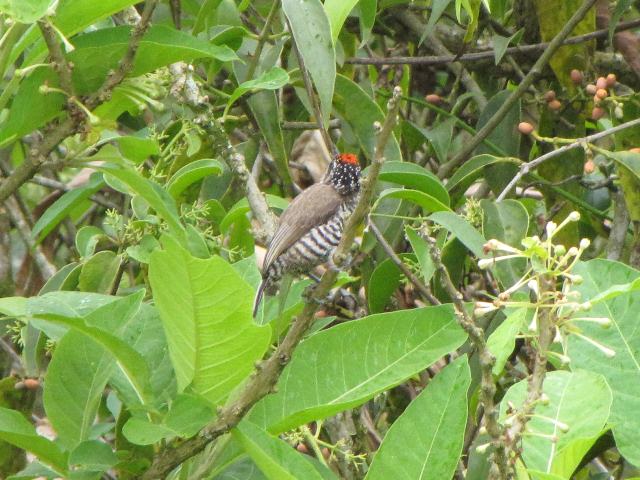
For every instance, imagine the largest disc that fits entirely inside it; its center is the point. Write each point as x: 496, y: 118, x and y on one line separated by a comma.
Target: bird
x: 311, y: 226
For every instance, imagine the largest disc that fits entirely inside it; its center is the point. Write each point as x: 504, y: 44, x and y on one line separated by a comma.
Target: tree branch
x: 536, y: 70
x: 487, y: 54
x: 424, y: 290
x: 59, y: 62
x: 263, y: 380
x: 525, y: 168
x: 500, y: 465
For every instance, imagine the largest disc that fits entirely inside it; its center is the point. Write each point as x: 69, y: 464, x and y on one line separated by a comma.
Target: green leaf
x: 337, y: 12
x: 427, y: 202
x: 500, y: 45
x: 265, y: 109
x: 472, y: 169
x: 99, y: 272
x: 241, y: 208
x: 62, y: 207
x: 438, y: 8
x: 503, y: 339
x: 415, y: 177
x: 440, y: 137
x: 153, y: 193
x: 360, y: 111
x: 56, y: 309
x: 384, y: 280
x: 622, y: 372
x: 137, y: 149
x: 275, y: 458
x: 30, y: 108
x: 16, y: 430
x: 272, y: 79
x: 618, y: 11
x: 507, y: 221
x: 419, y: 446
x: 462, y: 230
x: 74, y: 383
x: 187, y: 415
x: 206, y: 311
x: 346, y: 365
x: 99, y: 51
x: 87, y: 239
x: 312, y: 34
x: 421, y: 250
x: 629, y: 172
x: 191, y: 173
x: 368, y: 10
x: 93, y: 456
x: 24, y: 11
x: 571, y: 394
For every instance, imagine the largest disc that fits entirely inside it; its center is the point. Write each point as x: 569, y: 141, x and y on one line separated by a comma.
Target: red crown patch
x: 349, y: 158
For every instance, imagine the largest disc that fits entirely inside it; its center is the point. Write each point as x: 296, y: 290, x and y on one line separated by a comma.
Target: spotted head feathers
x: 344, y: 174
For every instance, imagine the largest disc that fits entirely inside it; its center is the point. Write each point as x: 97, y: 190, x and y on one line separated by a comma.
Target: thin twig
x: 424, y: 290
x: 47, y: 269
x: 60, y: 64
x: 263, y: 380
x: 333, y: 123
x: 263, y: 215
x: 315, y: 103
x: 500, y: 464
x: 488, y: 54
x: 525, y: 168
x: 536, y: 70
x: 264, y: 34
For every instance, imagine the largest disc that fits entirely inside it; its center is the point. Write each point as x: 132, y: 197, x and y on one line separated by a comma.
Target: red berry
x: 601, y: 82
x: 635, y: 150
x: 611, y: 80
x: 589, y: 166
x: 525, y: 128
x: 591, y: 89
x: 433, y: 98
x: 555, y: 105
x: 550, y: 96
x: 31, y: 383
x: 597, y: 113
x: 302, y: 448
x: 602, y: 94
x: 576, y: 76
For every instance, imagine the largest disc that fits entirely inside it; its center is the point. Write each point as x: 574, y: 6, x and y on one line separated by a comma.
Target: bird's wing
x: 313, y: 207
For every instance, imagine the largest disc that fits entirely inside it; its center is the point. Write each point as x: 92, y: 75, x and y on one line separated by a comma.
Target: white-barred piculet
x: 311, y: 226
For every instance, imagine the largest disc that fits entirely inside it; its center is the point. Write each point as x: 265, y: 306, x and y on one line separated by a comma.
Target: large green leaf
x: 570, y: 394
x: 502, y: 340
x: 272, y: 79
x: 265, y: 109
x: 15, y: 429
x: 622, y: 372
x: 191, y: 173
x: 344, y: 366
x: 24, y: 11
x: 419, y: 446
x: 461, y: 229
x: 64, y: 205
x: 472, y: 169
x: 99, y: 51
x: 75, y: 310
x: 275, y: 458
x: 206, y: 311
x: 416, y: 177
x: 312, y: 34
x: 337, y: 12
x: 507, y: 221
x: 384, y: 280
x: 74, y: 383
x: 360, y: 111
x: 427, y: 202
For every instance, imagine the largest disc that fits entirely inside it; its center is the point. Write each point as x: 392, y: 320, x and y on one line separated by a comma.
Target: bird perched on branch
x: 311, y: 226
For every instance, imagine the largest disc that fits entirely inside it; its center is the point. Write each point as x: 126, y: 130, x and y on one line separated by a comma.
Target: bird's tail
x: 259, y: 295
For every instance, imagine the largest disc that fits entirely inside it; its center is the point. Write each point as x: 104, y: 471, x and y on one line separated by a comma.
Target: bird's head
x: 344, y: 173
